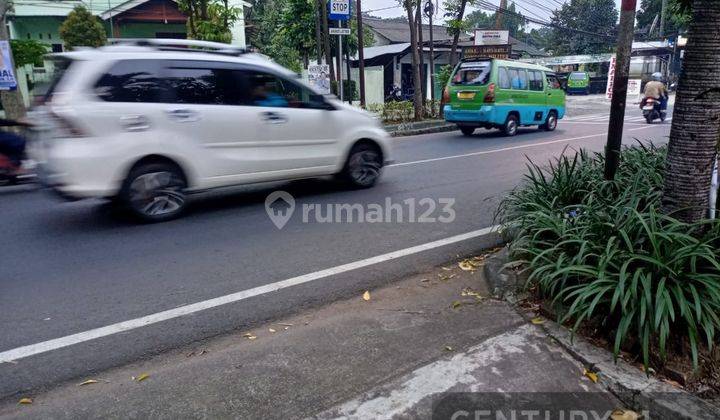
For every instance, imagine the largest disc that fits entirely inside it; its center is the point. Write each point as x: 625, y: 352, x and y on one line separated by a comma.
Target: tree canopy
x: 82, y: 29
x: 597, y: 17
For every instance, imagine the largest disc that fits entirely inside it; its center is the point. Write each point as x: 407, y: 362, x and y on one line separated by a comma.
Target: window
x: 473, y: 73
x: 57, y: 48
x: 271, y: 91
x: 536, y: 80
x: 205, y: 85
x: 553, y: 81
x: 503, y: 78
x: 577, y: 76
x: 518, y: 79
x: 132, y: 81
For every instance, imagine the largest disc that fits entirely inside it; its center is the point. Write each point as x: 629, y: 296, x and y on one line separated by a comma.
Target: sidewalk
x: 414, y: 341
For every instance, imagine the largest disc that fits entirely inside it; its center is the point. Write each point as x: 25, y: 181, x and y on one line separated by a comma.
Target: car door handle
x: 134, y: 123
x: 274, y: 117
x: 182, y: 115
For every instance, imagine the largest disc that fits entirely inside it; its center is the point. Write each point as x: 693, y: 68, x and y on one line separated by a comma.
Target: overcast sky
x: 531, y: 8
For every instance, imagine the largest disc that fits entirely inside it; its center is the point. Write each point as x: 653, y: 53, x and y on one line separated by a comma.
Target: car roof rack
x: 185, y: 45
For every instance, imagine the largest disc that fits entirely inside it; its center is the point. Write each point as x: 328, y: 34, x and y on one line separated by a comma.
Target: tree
x: 82, y: 29
x: 479, y: 19
x: 455, y: 10
x: 409, y: 6
x: 513, y: 22
x: 594, y: 16
x: 696, y: 121
x: 27, y: 51
x: 209, y: 20
x: 677, y: 19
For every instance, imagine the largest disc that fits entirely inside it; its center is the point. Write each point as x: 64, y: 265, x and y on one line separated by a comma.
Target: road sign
x: 339, y: 31
x: 339, y: 10
x: 634, y: 86
x: 7, y: 75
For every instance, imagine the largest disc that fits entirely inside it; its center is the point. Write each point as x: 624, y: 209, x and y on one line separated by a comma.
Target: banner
x: 319, y: 77
x: 491, y: 37
x: 7, y: 73
x: 487, y: 51
x: 611, y: 77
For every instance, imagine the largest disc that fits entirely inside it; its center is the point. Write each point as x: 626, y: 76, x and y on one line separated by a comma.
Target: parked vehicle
x: 149, y: 122
x: 578, y: 82
x: 504, y: 94
x: 652, y: 110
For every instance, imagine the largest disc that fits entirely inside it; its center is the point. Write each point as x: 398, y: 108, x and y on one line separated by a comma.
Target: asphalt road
x: 66, y: 268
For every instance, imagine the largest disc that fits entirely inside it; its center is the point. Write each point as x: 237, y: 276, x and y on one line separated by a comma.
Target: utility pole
x: 339, y: 63
x: 619, y: 92
x: 361, y: 54
x: 421, y: 63
x: 430, y: 10
x: 663, y: 16
x: 12, y: 100
x: 318, y: 25
x: 326, y: 38
x: 499, y: 14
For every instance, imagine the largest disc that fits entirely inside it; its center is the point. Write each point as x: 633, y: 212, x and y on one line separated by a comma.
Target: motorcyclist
x: 12, y: 145
x: 656, y: 89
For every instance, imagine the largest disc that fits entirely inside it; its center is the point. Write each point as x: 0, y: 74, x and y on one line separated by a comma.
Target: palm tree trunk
x: 695, y: 129
x: 456, y: 35
x: 417, y: 97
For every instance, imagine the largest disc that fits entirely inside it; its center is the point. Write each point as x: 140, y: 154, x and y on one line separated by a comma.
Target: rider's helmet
x: 657, y: 76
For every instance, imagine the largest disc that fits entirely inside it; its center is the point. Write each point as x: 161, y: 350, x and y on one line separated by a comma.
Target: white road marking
x: 58, y: 343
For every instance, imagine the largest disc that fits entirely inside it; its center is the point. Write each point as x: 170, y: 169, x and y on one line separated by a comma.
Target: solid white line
x: 58, y: 343
x: 487, y: 152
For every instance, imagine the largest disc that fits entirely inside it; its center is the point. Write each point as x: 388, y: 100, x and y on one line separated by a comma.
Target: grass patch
x: 601, y: 252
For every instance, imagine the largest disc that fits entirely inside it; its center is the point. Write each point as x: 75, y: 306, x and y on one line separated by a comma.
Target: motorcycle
x: 652, y: 110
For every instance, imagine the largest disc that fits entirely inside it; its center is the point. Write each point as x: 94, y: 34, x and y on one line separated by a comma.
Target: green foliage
x: 678, y: 17
x: 595, y: 16
x: 349, y: 89
x: 443, y: 76
x: 480, y: 20
x: 82, y: 29
x: 27, y: 51
x: 209, y: 20
x: 603, y: 253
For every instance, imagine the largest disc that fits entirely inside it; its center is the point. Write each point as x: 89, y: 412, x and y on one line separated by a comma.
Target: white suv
x: 147, y: 123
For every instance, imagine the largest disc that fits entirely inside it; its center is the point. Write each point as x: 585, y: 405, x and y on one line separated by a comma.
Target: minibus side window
x: 518, y: 79
x: 536, y: 80
x: 503, y: 78
x: 553, y: 82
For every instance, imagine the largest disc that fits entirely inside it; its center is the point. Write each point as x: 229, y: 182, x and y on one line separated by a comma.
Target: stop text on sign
x: 339, y: 9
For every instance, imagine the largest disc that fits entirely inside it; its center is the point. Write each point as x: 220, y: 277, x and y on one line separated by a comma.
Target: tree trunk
x: 326, y: 39
x: 421, y: 63
x: 12, y: 100
x: 696, y: 122
x: 417, y: 97
x: 456, y: 36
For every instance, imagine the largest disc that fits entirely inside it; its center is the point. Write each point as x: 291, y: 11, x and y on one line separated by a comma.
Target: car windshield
x: 577, y: 76
x: 477, y: 73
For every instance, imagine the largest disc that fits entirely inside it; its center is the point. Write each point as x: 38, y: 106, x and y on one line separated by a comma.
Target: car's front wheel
x: 155, y: 192
x: 363, y: 166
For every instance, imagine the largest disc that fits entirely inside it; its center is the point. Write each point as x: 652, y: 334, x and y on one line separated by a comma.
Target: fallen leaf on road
x: 470, y: 292
x: 424, y: 280
x: 287, y: 328
x: 456, y: 304
x: 284, y: 324
x: 537, y: 321
x: 591, y: 375
x: 25, y: 401
x: 88, y: 382
x: 443, y: 277
x: 142, y: 377
x: 272, y: 330
x: 249, y: 336
x: 448, y: 348
x: 624, y: 415
x: 446, y: 268
x: 366, y: 295
x: 469, y: 265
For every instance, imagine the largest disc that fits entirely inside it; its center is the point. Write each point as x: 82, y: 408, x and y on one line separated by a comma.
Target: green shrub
x: 601, y: 251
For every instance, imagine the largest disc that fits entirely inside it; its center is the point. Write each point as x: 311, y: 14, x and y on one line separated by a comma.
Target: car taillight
x: 490, y: 95
x: 64, y: 128
x: 446, y: 95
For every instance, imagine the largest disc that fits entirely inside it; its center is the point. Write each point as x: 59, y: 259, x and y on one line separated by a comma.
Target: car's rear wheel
x: 510, y: 128
x: 155, y: 192
x: 363, y: 166
x: 467, y: 131
x: 550, y: 122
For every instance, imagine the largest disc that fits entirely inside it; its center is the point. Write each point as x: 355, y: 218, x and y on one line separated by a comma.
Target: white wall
x: 374, y: 77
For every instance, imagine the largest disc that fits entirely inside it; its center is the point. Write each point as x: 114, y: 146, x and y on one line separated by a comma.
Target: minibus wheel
x: 467, y: 131
x: 510, y: 128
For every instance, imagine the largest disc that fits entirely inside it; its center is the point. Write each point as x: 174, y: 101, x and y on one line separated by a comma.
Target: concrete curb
x: 625, y: 381
x: 422, y: 127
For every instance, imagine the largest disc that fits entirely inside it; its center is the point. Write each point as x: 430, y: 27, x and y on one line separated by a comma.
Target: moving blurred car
x: 147, y: 122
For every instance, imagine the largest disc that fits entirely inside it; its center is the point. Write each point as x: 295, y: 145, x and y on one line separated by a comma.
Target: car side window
x: 503, y: 78
x: 536, y: 80
x: 518, y: 79
x: 205, y: 85
x: 132, y: 81
x: 269, y: 90
x: 553, y: 82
